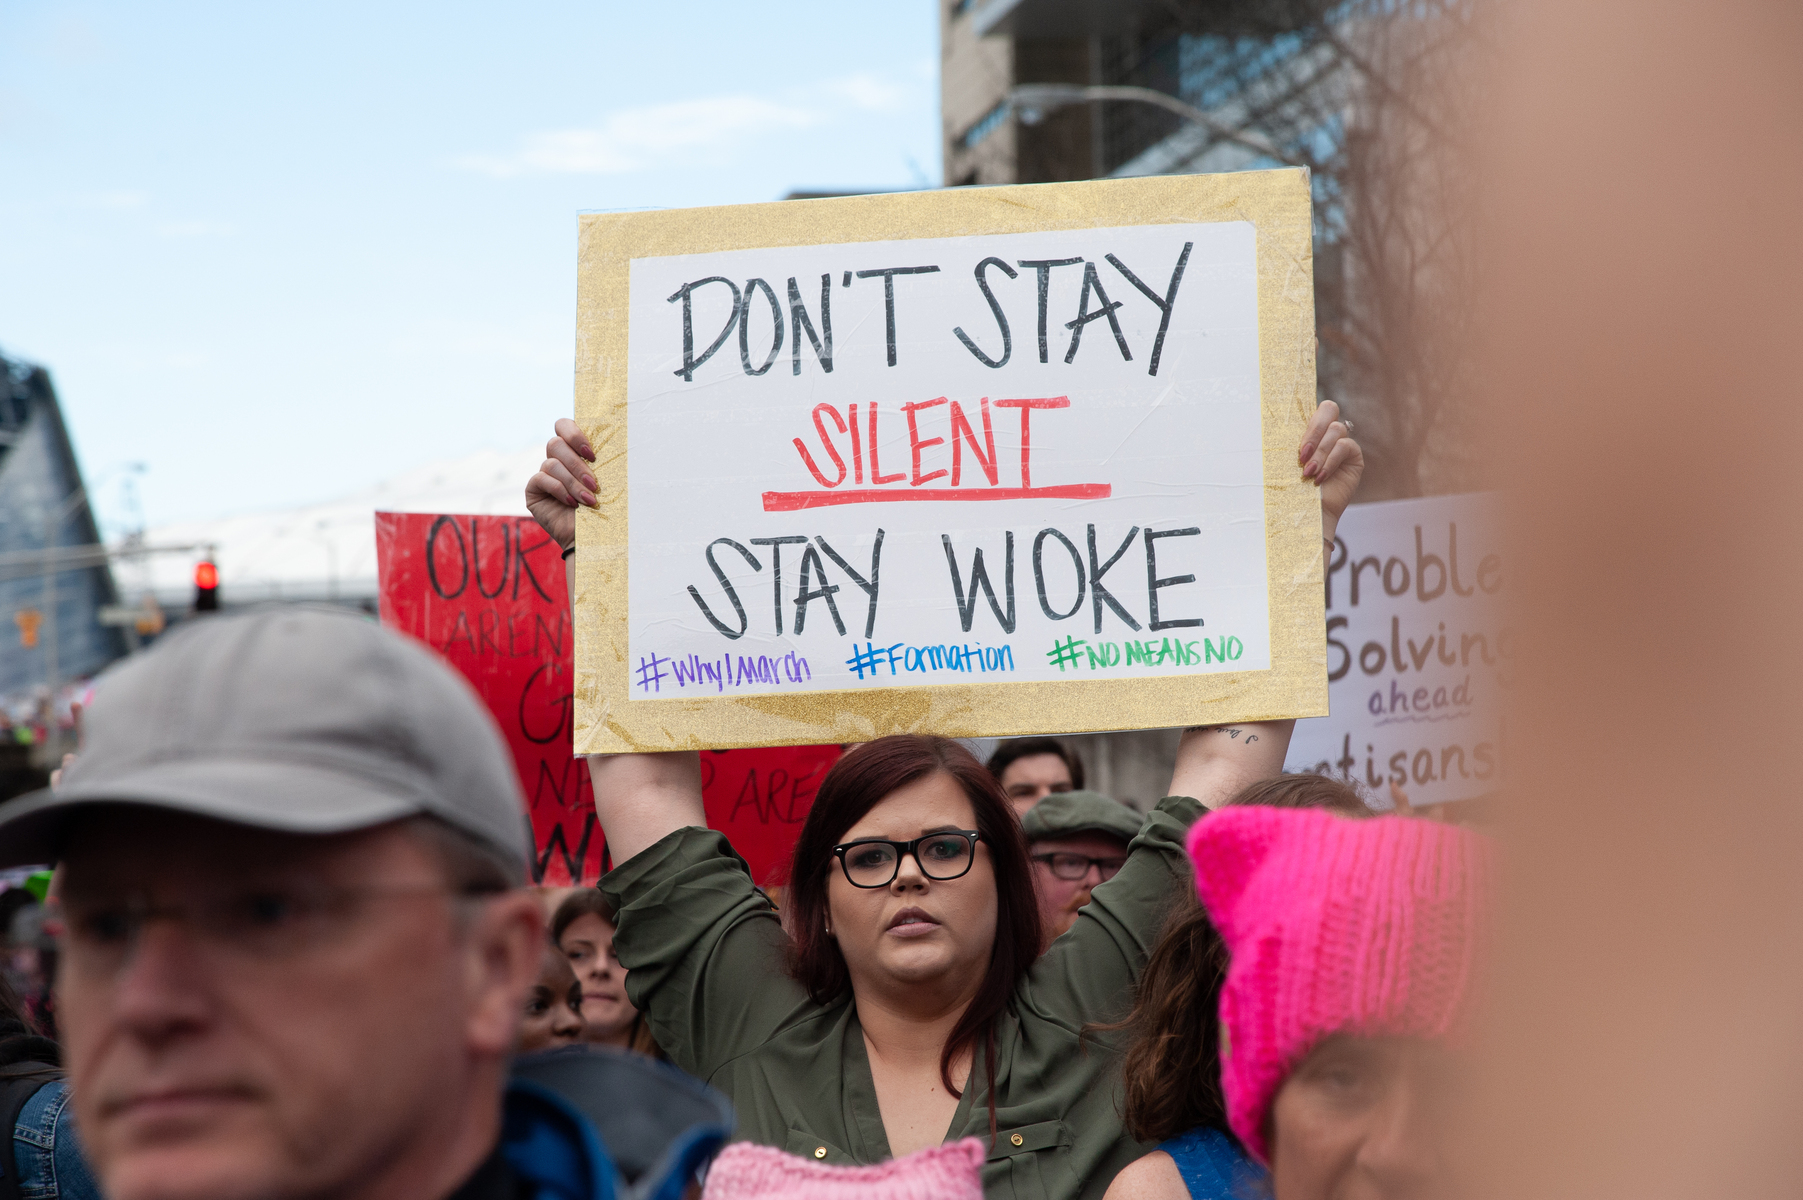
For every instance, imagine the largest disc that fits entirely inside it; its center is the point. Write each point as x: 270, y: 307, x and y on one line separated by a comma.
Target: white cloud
x: 74, y: 41
x: 868, y: 92
x: 196, y: 229
x: 637, y: 138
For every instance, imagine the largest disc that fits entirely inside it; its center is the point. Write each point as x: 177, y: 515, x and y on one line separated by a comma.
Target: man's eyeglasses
x: 259, y: 923
x: 1072, y: 867
x: 875, y: 862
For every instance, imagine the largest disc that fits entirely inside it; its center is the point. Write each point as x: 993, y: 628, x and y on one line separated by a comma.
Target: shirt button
x: 1017, y: 1139
x: 819, y: 1151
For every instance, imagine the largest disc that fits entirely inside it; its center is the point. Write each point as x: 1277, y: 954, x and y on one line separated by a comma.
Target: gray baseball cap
x: 1066, y: 814
x: 299, y: 719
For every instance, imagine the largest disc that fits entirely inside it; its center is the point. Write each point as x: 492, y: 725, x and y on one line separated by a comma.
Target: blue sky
x: 279, y: 252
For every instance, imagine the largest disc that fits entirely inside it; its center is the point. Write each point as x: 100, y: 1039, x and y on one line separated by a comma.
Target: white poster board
x: 916, y: 515
x: 1023, y: 462
x: 1418, y: 656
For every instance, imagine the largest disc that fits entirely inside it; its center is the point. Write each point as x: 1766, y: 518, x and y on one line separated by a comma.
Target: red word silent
x: 862, y: 438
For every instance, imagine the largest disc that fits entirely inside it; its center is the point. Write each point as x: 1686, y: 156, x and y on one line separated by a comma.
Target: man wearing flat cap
x: 1076, y: 840
x: 297, y: 943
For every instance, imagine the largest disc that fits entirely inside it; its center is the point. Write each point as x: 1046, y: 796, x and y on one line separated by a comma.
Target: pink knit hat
x: 747, y: 1172
x: 1334, y: 926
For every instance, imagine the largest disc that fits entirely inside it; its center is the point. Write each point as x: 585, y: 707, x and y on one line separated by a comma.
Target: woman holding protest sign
x: 906, y: 1004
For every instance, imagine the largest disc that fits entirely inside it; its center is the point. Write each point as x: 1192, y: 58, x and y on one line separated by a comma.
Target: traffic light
x: 206, y: 587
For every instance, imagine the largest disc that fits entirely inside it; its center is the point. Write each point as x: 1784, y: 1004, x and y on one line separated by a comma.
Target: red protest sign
x: 759, y: 798
x: 489, y: 593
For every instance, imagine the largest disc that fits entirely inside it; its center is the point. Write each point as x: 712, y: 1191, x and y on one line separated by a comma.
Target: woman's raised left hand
x: 1333, y: 461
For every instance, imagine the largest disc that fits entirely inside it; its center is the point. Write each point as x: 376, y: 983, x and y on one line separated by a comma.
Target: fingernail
x: 569, y: 501
x: 589, y: 482
x: 1308, y: 472
x: 1306, y: 451
x: 588, y: 452
x: 589, y: 499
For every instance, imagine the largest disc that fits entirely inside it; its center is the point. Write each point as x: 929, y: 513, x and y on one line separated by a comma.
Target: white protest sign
x: 1418, y: 657
x: 1034, y: 460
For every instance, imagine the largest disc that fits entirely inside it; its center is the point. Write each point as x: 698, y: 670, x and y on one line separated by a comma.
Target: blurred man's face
x: 259, y: 1015
x: 1056, y: 879
x: 1032, y: 777
x: 1362, y: 1119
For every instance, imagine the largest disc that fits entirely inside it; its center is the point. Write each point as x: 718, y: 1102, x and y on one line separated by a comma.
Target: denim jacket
x: 46, y: 1153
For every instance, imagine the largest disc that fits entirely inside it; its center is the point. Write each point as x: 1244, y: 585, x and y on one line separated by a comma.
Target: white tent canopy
x: 320, y: 551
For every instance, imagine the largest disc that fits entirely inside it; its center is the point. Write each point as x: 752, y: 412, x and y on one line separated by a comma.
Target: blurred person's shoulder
x: 1152, y: 1177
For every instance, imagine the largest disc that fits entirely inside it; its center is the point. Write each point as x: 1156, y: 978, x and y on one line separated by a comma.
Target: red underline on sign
x: 791, y: 501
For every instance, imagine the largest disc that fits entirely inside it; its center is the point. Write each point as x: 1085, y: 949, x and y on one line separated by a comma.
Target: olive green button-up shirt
x: 704, y: 951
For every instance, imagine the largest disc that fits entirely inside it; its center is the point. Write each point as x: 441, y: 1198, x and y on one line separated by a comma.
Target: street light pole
x: 1032, y: 101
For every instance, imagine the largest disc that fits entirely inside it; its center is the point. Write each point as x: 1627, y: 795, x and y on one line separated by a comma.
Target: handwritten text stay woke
x: 1066, y: 581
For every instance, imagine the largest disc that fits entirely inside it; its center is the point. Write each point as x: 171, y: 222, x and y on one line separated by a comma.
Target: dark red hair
x: 857, y: 783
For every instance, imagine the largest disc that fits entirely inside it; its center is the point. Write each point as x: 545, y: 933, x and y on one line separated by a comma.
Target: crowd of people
x: 298, y: 956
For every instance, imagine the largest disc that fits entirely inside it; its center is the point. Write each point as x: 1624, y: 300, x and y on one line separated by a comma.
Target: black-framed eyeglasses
x: 875, y: 862
x: 1072, y: 867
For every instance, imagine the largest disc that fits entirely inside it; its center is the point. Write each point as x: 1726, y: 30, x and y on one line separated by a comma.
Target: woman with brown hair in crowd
x: 583, y: 928
x: 907, y: 1003
x: 1172, y: 1068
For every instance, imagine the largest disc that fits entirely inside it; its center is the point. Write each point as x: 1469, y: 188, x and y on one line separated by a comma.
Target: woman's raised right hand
x: 639, y: 798
x: 562, y: 482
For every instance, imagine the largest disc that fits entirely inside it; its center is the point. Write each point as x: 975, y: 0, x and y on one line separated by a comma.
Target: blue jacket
x: 551, y: 1151
x: 1214, y: 1167
x: 46, y: 1155
x: 566, y: 1135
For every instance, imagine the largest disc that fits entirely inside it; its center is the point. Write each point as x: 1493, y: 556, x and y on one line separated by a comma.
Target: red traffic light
x: 206, y: 586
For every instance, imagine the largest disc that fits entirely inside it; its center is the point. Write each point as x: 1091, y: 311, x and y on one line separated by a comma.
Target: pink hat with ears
x: 1334, y: 925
